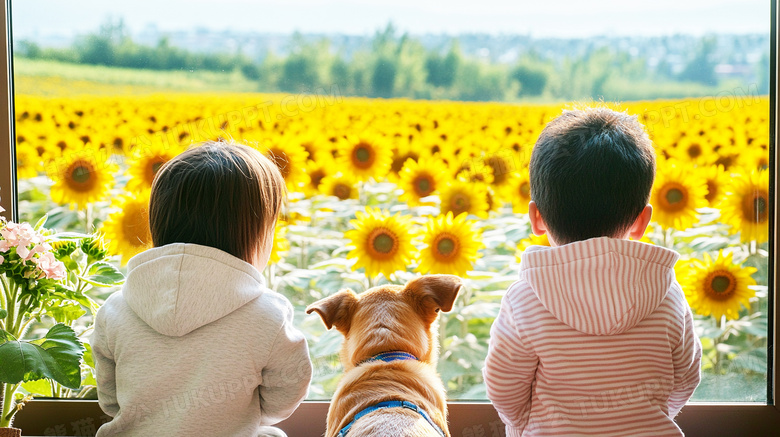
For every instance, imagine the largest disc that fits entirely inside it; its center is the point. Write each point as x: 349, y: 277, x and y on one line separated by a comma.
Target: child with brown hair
x: 195, y: 343
x: 596, y: 338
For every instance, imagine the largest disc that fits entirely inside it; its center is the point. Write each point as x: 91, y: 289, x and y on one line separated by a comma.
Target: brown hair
x: 223, y: 195
x: 591, y: 173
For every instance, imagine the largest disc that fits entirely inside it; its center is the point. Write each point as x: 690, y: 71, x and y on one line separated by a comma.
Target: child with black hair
x: 596, y: 338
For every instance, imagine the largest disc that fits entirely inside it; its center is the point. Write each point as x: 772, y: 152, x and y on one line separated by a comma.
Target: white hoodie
x: 595, y: 339
x: 195, y: 344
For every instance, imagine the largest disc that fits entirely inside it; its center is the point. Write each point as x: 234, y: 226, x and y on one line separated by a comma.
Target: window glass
x: 385, y: 117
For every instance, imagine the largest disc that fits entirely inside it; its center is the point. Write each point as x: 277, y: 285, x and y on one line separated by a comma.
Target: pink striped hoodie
x: 595, y: 339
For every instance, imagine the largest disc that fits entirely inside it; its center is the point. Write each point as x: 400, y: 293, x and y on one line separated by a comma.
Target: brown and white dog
x: 379, y: 394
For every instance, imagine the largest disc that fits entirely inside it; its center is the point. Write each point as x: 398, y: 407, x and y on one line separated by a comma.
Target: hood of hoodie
x: 601, y: 286
x: 180, y: 287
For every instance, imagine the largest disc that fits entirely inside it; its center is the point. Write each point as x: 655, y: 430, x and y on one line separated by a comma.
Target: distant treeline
x: 399, y: 66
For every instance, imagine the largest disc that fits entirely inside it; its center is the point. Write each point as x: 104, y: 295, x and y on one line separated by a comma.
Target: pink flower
x: 21, y: 236
x: 52, y: 268
x: 2, y: 260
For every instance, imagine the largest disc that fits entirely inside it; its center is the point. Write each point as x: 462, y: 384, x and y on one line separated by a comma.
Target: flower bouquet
x: 44, y: 278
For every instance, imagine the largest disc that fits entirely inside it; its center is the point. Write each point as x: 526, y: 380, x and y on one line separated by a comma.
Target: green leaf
x: 40, y: 387
x: 6, y: 336
x: 103, y: 274
x: 41, y: 222
x: 66, y: 312
x: 88, y: 360
x: 56, y: 356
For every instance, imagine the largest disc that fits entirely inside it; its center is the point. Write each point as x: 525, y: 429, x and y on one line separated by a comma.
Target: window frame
x: 696, y: 419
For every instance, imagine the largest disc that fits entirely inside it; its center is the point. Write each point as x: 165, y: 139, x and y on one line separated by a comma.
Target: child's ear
x: 433, y: 293
x: 639, y: 227
x: 537, y: 223
x: 336, y: 309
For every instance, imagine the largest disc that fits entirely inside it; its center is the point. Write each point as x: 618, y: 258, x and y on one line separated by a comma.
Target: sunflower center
x: 694, y: 151
x: 720, y: 285
x: 712, y: 191
x: 341, y: 191
x: 674, y: 197
x: 500, y: 169
x: 423, y: 185
x: 382, y: 244
x: 81, y: 176
x: 363, y: 156
x: 153, y: 168
x: 316, y: 178
x: 754, y: 206
x: 445, y: 246
x: 460, y: 203
x: 399, y: 161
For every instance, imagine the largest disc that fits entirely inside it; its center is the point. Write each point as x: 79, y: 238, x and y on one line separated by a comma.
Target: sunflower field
x: 383, y: 190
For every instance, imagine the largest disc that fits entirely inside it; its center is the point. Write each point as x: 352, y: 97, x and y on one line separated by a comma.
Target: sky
x: 562, y: 18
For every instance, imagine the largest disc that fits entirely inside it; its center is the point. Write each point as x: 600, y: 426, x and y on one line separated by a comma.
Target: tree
x: 99, y: 48
x: 383, y: 76
x: 532, y: 79
x: 441, y: 71
x: 702, y: 67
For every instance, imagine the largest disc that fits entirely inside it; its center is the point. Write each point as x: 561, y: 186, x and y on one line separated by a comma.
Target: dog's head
x: 389, y: 317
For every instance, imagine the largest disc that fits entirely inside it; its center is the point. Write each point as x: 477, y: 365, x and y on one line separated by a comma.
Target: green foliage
x: 103, y: 274
x: 701, y: 68
x: 396, y: 65
x: 56, y: 356
x: 532, y: 78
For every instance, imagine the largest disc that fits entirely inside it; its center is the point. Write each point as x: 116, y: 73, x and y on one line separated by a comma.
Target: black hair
x: 591, y: 173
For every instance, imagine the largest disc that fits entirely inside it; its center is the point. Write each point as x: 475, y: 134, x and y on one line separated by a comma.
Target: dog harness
x: 388, y: 357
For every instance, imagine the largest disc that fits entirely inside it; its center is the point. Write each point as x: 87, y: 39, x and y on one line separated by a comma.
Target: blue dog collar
x: 389, y: 357
x: 391, y: 404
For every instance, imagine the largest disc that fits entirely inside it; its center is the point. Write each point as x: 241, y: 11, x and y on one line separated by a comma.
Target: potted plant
x: 44, y: 278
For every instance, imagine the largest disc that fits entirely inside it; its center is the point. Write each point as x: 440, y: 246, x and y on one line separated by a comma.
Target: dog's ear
x: 336, y: 309
x: 433, y: 293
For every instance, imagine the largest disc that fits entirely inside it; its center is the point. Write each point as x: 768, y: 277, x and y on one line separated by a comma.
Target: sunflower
x: 317, y: 171
x: 290, y: 158
x: 754, y: 158
x: 28, y: 162
x: 676, y: 195
x: 715, y: 176
x: 281, y: 244
x: 460, y: 196
x: 420, y: 179
x: 383, y: 243
x: 717, y: 287
x: 521, y: 195
x: 505, y: 176
x: 365, y: 158
x: 81, y: 176
x: 532, y: 240
x: 746, y: 205
x: 404, y: 152
x: 694, y: 150
x: 340, y: 185
x: 128, y: 229
x: 146, y: 160
x: 451, y: 245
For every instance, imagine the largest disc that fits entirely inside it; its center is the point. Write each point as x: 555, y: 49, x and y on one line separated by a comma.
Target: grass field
x: 60, y: 79
x: 52, y: 78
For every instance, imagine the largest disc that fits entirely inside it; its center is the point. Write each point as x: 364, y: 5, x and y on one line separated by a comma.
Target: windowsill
x: 466, y: 418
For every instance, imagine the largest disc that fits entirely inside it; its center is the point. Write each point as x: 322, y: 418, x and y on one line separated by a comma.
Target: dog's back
x: 396, y: 396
